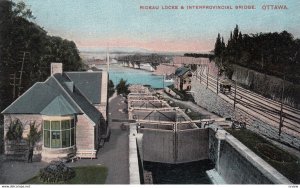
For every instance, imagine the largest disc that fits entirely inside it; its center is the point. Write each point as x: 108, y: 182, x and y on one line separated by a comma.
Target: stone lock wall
x: 209, y: 100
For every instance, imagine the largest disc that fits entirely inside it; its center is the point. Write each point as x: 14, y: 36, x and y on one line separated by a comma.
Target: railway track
x: 265, y: 107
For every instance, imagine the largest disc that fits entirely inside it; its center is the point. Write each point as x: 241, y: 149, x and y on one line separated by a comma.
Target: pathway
x: 114, y: 154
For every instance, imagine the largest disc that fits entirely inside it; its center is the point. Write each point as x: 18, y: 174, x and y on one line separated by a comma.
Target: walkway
x: 114, y: 154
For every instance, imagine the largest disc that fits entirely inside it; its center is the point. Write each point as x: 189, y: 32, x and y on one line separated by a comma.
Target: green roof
x: 89, y: 84
x: 58, y: 107
x: 181, y: 71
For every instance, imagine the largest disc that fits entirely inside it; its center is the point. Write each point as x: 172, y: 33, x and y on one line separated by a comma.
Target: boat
x: 169, y: 80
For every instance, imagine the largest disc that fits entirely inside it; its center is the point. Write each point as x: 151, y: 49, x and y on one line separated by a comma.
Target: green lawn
x: 84, y: 175
x: 284, y: 162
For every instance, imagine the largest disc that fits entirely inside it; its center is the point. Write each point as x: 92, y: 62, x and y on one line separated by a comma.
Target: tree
x: 17, y: 35
x: 15, y: 131
x: 111, y: 88
x: 122, y: 87
x: 34, y: 135
x: 218, y: 46
x: 269, y: 53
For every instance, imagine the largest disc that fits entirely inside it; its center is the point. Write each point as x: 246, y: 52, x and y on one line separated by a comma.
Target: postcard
x: 134, y: 92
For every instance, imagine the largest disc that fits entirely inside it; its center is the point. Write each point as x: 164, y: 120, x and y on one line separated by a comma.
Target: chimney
x: 56, y: 68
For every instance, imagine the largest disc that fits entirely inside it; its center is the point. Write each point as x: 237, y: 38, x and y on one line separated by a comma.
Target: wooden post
x: 234, y: 102
x: 207, y: 76
x: 200, y: 73
x: 13, y: 84
x: 218, y: 82
x: 281, y: 108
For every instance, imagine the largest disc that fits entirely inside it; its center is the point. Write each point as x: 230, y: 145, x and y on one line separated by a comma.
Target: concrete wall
x: 212, y: 146
x: 215, y: 103
x: 237, y: 164
x: 235, y: 169
x: 266, y: 85
x: 192, y: 145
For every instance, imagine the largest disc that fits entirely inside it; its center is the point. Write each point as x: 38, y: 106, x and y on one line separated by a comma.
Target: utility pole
x: 21, y: 72
x: 13, y: 78
x: 234, y: 102
x: 207, y: 77
x: 107, y: 59
x: 200, y: 72
x: 281, y: 107
x: 218, y: 81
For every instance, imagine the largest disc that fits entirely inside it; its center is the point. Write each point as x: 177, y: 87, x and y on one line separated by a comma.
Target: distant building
x: 183, y: 78
x: 70, y: 108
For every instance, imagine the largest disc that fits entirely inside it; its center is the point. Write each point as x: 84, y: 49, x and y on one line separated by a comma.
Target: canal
x: 135, y: 76
x: 186, y: 173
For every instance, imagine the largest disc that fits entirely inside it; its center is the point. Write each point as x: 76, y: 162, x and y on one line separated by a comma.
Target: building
x: 70, y: 108
x: 183, y: 78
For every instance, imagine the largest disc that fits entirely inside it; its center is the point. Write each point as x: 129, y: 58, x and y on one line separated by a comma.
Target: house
x: 70, y: 108
x: 183, y: 78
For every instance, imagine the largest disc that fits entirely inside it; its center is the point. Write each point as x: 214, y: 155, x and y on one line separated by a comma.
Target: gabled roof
x: 54, y: 97
x: 79, y: 98
x: 181, y: 71
x: 58, y: 106
x: 36, y: 98
x: 84, y: 81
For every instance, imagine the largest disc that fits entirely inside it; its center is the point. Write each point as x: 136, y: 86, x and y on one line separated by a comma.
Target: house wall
x: 185, y: 80
x: 85, y: 134
x: 10, y: 149
x: 86, y: 139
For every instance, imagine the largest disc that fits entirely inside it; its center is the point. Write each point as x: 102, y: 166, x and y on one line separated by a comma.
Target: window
x: 59, y: 134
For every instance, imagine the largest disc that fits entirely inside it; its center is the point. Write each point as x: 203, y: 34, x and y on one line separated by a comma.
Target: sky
x: 94, y: 24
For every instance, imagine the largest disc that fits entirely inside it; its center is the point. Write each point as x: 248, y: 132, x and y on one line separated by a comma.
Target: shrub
x: 15, y: 130
x: 56, y: 172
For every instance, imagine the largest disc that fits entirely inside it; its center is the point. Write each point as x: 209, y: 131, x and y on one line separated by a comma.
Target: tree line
x: 153, y: 59
x: 276, y: 54
x: 24, y: 42
x: 198, y: 55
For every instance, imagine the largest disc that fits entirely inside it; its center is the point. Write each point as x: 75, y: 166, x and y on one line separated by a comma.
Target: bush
x: 15, y: 130
x: 122, y: 87
x: 111, y: 88
x: 56, y: 172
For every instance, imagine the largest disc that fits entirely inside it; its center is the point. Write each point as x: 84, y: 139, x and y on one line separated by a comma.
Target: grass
x: 286, y: 163
x: 84, y: 175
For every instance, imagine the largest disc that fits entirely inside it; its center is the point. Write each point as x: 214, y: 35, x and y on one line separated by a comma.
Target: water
x: 135, y: 76
x: 187, y: 173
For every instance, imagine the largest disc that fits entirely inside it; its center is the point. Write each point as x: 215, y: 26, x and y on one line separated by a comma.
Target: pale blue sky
x: 121, y: 23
